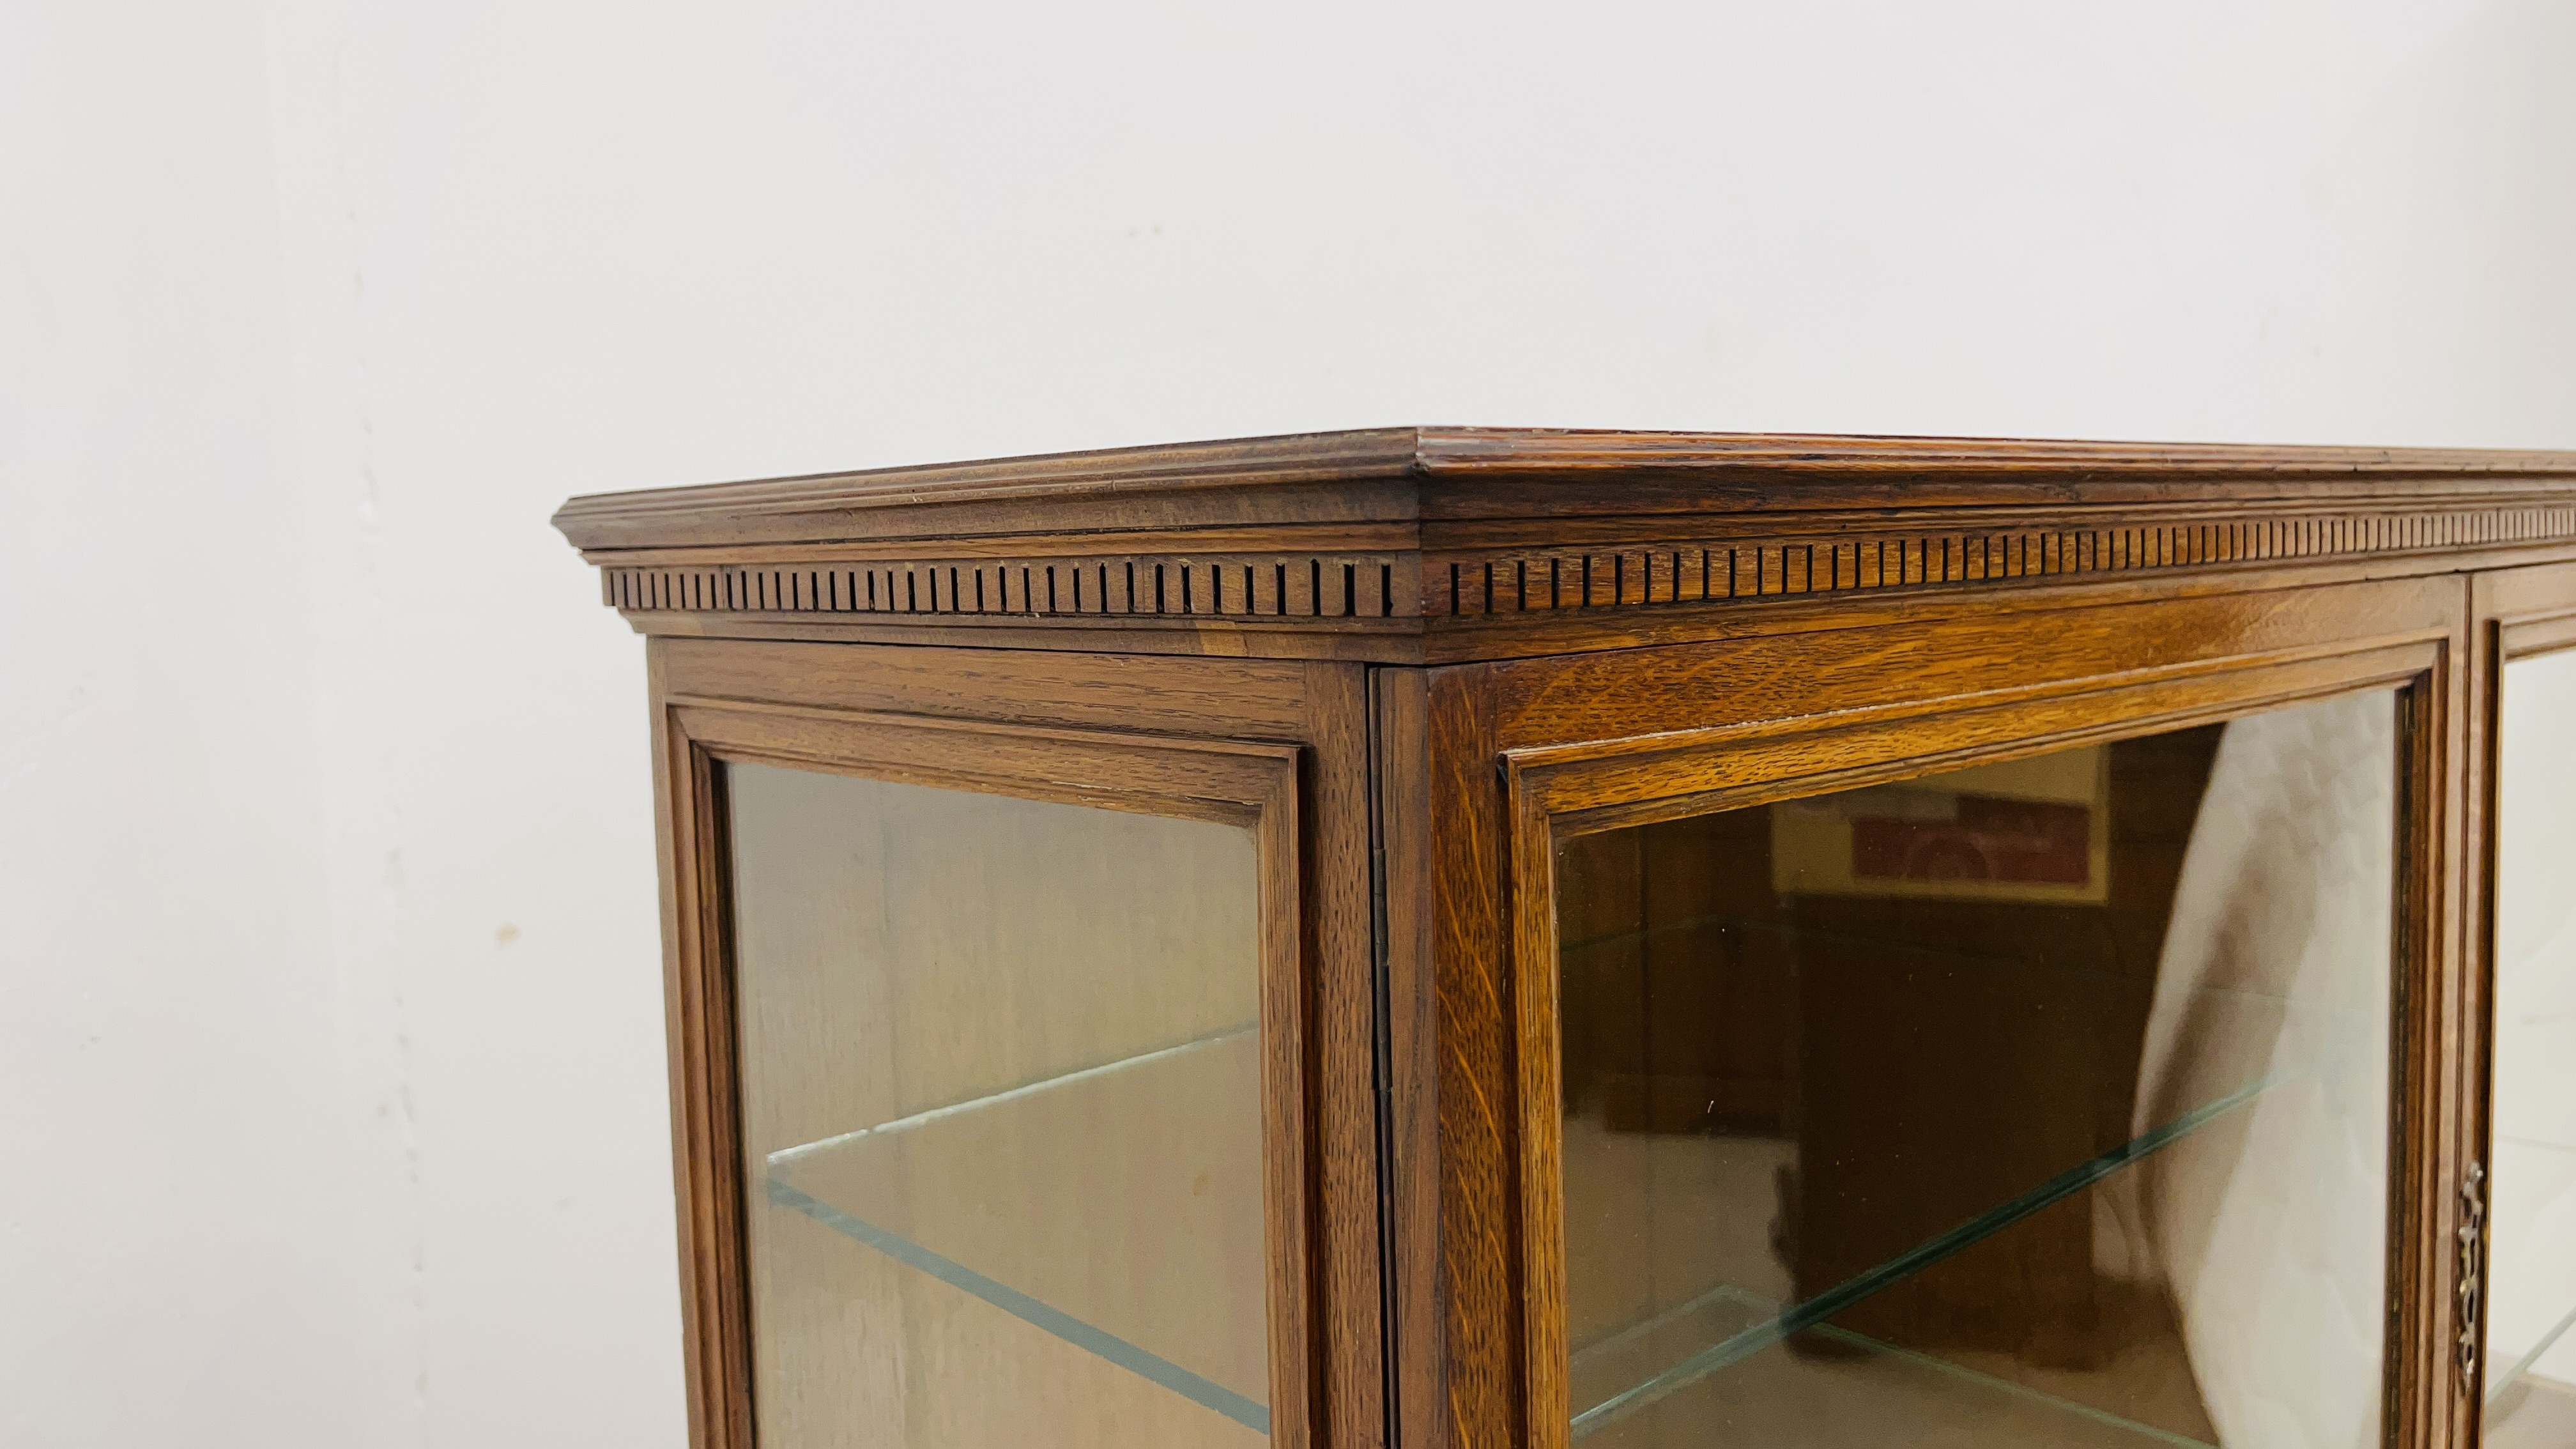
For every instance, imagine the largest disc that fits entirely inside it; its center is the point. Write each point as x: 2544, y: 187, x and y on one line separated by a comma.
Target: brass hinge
x: 2473, y: 1238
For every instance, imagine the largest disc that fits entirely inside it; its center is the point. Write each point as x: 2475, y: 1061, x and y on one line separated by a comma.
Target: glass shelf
x: 944, y: 1192
x: 1823, y: 1386
x: 1727, y: 1329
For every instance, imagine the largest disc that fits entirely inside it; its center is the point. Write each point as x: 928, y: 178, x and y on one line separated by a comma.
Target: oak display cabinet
x: 1444, y: 938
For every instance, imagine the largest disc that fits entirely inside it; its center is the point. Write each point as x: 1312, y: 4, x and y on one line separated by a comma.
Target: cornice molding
x: 1412, y: 530
x: 1846, y: 560
x: 1127, y: 586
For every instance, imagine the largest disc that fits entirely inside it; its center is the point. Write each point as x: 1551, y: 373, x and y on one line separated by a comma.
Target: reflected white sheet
x: 2269, y: 1229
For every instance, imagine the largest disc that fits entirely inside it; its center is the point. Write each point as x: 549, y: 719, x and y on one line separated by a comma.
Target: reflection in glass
x: 2531, y: 1298
x: 1001, y: 1110
x: 2041, y: 1103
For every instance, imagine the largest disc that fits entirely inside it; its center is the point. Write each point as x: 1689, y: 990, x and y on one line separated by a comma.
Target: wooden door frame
x: 1272, y: 746
x: 2515, y: 614
x: 1524, y: 752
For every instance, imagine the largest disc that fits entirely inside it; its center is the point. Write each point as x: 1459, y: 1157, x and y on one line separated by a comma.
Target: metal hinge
x: 2473, y: 1240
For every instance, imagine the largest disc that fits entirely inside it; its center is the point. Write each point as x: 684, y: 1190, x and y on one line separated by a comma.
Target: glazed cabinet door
x: 2528, y: 1383
x: 995, y: 1046
x: 2041, y: 1101
x: 1987, y: 1031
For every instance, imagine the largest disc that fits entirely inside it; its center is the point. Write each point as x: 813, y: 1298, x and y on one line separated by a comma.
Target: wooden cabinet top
x: 1427, y: 545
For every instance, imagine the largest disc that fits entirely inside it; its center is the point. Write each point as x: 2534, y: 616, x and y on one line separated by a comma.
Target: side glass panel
x: 1001, y: 1117
x: 2042, y: 1103
x: 2531, y: 1274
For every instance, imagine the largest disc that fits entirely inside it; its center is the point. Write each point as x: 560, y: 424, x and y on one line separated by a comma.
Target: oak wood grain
x: 1432, y: 545
x: 1350, y: 1248
x: 698, y: 1004
x: 1467, y: 473
x: 1416, y: 1330
x: 1483, y: 1347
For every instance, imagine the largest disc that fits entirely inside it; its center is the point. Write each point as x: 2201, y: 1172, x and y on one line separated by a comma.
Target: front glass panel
x: 1001, y: 1117
x: 2040, y: 1103
x: 2531, y: 1305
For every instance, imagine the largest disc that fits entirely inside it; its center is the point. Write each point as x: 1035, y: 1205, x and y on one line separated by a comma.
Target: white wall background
x: 330, y: 1056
